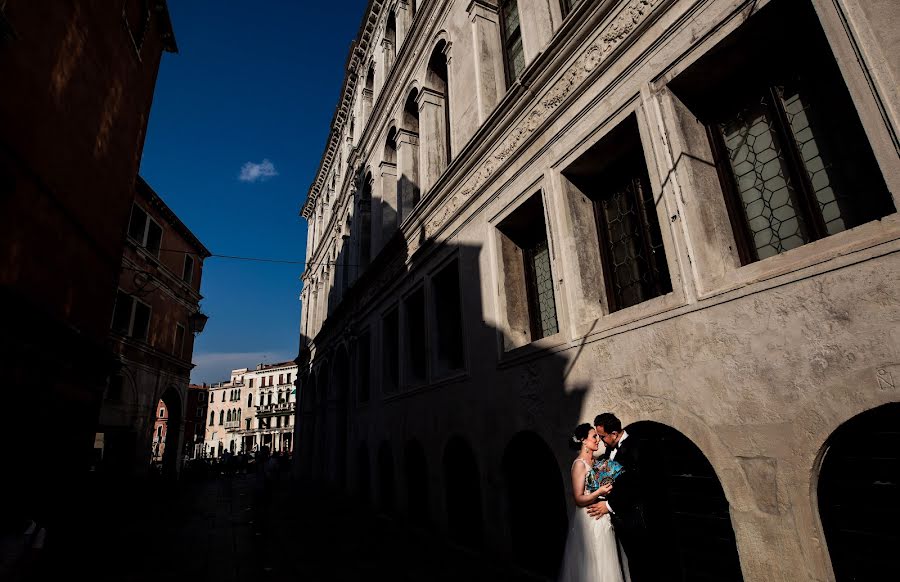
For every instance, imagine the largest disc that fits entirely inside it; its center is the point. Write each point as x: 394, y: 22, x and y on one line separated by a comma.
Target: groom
x: 626, y: 501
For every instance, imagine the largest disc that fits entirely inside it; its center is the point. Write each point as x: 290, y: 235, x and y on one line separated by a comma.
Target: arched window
x: 228, y: 417
x: 390, y: 41
x: 434, y: 112
x: 407, y: 146
x: 239, y: 415
x: 221, y: 417
x: 513, y: 52
x: 212, y: 418
x: 364, y: 235
x: 250, y: 400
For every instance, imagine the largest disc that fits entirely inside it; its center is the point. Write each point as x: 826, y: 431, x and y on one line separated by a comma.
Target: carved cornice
x: 630, y: 16
x: 358, y: 50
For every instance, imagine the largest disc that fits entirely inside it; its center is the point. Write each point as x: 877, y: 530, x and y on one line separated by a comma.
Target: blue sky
x: 250, y: 94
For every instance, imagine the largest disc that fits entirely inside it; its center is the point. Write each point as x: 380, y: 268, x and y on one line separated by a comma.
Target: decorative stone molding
x: 629, y: 18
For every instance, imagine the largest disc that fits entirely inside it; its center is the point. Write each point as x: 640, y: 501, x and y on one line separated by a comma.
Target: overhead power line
x: 260, y: 259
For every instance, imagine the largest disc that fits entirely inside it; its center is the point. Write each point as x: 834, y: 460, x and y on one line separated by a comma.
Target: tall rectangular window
x: 390, y: 351
x: 415, y: 342
x: 448, y: 333
x: 179, y: 340
x: 793, y: 159
x: 363, y: 366
x: 289, y: 378
x: 187, y: 272
x: 513, y: 52
x: 131, y: 317
x: 144, y: 230
x: 251, y: 383
x: 528, y: 277
x: 613, y: 175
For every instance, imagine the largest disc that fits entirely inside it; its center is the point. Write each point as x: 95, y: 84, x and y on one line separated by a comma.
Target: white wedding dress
x: 592, y: 552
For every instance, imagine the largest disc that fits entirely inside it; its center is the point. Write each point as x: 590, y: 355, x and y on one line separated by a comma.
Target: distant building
x: 158, y: 447
x: 77, y: 83
x: 156, y: 316
x: 531, y: 212
x: 195, y: 420
x: 252, y: 409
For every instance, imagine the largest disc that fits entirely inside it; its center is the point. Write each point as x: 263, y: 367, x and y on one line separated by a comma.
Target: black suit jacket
x: 628, y: 494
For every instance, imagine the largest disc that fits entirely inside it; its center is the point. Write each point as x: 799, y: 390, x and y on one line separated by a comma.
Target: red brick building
x: 156, y: 315
x: 78, y: 82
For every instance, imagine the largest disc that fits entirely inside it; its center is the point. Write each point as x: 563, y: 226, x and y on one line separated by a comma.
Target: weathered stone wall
x: 756, y: 364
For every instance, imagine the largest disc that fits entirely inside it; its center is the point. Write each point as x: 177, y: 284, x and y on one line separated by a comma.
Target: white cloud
x: 262, y: 171
x: 217, y: 366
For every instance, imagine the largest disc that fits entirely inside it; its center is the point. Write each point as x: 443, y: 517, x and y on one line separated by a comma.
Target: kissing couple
x: 610, y: 495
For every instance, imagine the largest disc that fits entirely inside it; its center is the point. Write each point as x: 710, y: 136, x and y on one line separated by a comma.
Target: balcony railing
x: 232, y: 424
x: 275, y: 408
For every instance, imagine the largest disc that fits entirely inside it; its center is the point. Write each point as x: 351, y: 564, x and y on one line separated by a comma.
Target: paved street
x: 224, y: 529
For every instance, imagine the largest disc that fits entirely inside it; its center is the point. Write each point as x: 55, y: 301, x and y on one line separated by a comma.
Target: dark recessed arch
x: 859, y: 495
x: 687, y: 513
x: 532, y: 479
x: 386, y: 492
x: 462, y: 490
x: 415, y: 467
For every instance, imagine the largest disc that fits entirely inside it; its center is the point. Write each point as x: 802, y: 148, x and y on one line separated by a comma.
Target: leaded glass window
x: 542, y: 302
x: 793, y: 158
x: 514, y: 53
x: 630, y: 239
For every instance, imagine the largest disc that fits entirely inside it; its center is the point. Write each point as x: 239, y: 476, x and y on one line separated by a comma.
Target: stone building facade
x: 683, y: 211
x: 156, y: 317
x: 255, y: 408
x: 78, y: 83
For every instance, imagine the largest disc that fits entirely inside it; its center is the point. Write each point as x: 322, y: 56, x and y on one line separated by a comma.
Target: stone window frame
x: 584, y: 288
x: 706, y: 228
x: 436, y: 374
x: 509, y: 344
x: 407, y: 383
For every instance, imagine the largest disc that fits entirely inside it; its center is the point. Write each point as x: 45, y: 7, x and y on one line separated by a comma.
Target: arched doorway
x: 859, y: 495
x: 340, y: 378
x: 463, y: 494
x: 167, y: 432
x: 363, y: 476
x: 321, y: 444
x: 307, y: 428
x: 416, y: 471
x: 385, y: 478
x: 539, y: 534
x: 686, y: 509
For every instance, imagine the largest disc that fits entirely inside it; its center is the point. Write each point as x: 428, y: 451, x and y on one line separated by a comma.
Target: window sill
x: 809, y: 255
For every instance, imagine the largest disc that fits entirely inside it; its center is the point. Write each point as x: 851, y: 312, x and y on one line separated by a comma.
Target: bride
x: 591, y: 548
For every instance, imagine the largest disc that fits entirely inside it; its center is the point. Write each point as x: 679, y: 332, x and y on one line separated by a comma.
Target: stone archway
x: 386, y: 490
x: 462, y: 490
x: 859, y: 495
x: 363, y: 474
x: 686, y: 509
x: 415, y: 467
x: 338, y: 429
x: 173, y: 404
x: 532, y: 479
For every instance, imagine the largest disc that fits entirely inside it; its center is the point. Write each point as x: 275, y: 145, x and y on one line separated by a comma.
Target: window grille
x: 785, y: 185
x: 631, y: 243
x: 539, y: 279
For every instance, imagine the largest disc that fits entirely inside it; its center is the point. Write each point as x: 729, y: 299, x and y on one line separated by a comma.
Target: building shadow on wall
x: 416, y: 404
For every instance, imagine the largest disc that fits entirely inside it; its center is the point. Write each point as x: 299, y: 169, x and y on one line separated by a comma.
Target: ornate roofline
x: 358, y: 50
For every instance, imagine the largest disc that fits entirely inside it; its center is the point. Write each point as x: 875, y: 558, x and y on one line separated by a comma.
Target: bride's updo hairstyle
x: 579, y: 434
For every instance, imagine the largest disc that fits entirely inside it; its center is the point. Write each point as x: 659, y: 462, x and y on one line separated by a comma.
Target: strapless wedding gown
x: 592, y: 552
